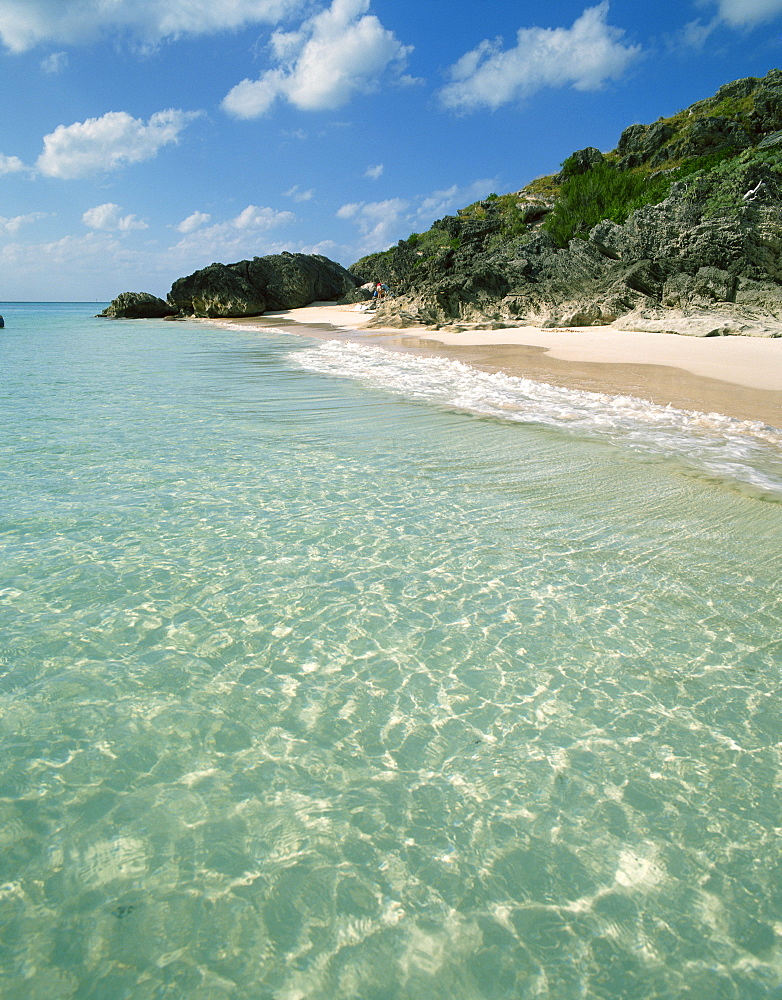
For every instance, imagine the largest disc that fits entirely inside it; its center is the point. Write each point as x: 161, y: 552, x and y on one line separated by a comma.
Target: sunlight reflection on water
x: 311, y: 690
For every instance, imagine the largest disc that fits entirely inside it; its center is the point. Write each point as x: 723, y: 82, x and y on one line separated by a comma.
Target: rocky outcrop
x: 667, y: 268
x: 247, y: 288
x: 579, y: 162
x: 251, y: 287
x: 137, y: 305
x: 737, y: 117
x: 704, y: 260
x: 363, y: 293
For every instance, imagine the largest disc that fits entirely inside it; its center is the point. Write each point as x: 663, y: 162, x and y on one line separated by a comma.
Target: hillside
x: 677, y: 229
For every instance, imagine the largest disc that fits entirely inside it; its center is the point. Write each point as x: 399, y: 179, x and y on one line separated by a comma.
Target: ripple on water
x: 300, y: 699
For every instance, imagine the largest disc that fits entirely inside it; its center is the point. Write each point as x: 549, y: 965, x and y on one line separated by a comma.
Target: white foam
x: 741, y: 451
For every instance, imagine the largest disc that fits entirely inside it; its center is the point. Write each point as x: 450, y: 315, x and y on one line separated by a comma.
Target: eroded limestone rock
x: 137, y: 305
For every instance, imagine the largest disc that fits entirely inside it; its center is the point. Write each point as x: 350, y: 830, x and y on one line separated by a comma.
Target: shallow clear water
x: 328, y: 673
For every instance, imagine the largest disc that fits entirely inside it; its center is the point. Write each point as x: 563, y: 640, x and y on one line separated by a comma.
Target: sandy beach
x: 737, y: 376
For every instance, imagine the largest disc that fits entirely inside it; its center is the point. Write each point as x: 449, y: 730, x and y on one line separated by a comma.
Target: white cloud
x: 98, y: 264
x: 10, y: 164
x: 337, y: 53
x: 24, y: 24
x: 56, y: 264
x: 374, y: 173
x: 740, y: 14
x: 297, y: 133
x: 108, y: 143
x: 68, y: 248
x: 583, y: 56
x: 694, y: 34
x: 382, y: 223
x: 107, y: 217
x: 55, y: 62
x: 253, y: 217
x: 193, y: 222
x: 298, y: 195
x: 746, y: 13
x: 327, y: 248
x: 12, y: 226
x: 350, y: 210
x: 253, y: 98
x: 238, y: 237
x: 734, y: 14
x: 377, y: 221
x: 439, y: 203
x: 91, y: 265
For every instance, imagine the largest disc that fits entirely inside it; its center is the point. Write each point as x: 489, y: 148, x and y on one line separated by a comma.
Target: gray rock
x: 579, y: 162
x: 251, y: 287
x: 363, y: 293
x: 707, y: 286
x: 713, y: 322
x: 706, y: 136
x: 137, y: 305
x: 533, y: 210
x: 639, y: 143
x: 217, y: 291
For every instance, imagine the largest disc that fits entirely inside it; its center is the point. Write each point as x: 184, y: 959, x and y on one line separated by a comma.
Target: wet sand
x: 737, y: 376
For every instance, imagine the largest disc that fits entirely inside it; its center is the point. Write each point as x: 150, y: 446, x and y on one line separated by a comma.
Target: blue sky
x: 143, y: 139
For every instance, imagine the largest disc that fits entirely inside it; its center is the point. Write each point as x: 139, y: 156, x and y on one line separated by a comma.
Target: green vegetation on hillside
x: 603, y: 192
x: 606, y: 192
x: 430, y: 242
x: 713, y: 146
x: 735, y: 182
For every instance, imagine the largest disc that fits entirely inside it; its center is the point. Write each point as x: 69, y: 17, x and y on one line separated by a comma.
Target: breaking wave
x: 743, y: 453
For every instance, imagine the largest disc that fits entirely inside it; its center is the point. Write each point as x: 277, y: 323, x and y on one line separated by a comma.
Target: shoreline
x: 739, y: 377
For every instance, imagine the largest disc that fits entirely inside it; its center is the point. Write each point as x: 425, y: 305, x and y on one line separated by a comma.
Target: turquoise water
x: 333, y: 673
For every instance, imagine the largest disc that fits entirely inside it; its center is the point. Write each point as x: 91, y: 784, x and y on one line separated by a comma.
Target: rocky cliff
x: 678, y: 229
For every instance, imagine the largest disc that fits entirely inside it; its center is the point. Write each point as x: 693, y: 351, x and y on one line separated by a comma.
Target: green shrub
x: 601, y: 193
x: 722, y: 188
x: 571, y: 167
x: 698, y: 164
x: 513, y: 223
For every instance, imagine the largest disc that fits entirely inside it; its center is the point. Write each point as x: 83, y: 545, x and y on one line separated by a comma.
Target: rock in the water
x: 137, y: 305
x: 2, y: 322
x: 251, y: 287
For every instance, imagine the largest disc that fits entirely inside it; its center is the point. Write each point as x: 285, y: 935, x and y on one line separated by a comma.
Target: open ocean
x: 328, y: 673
